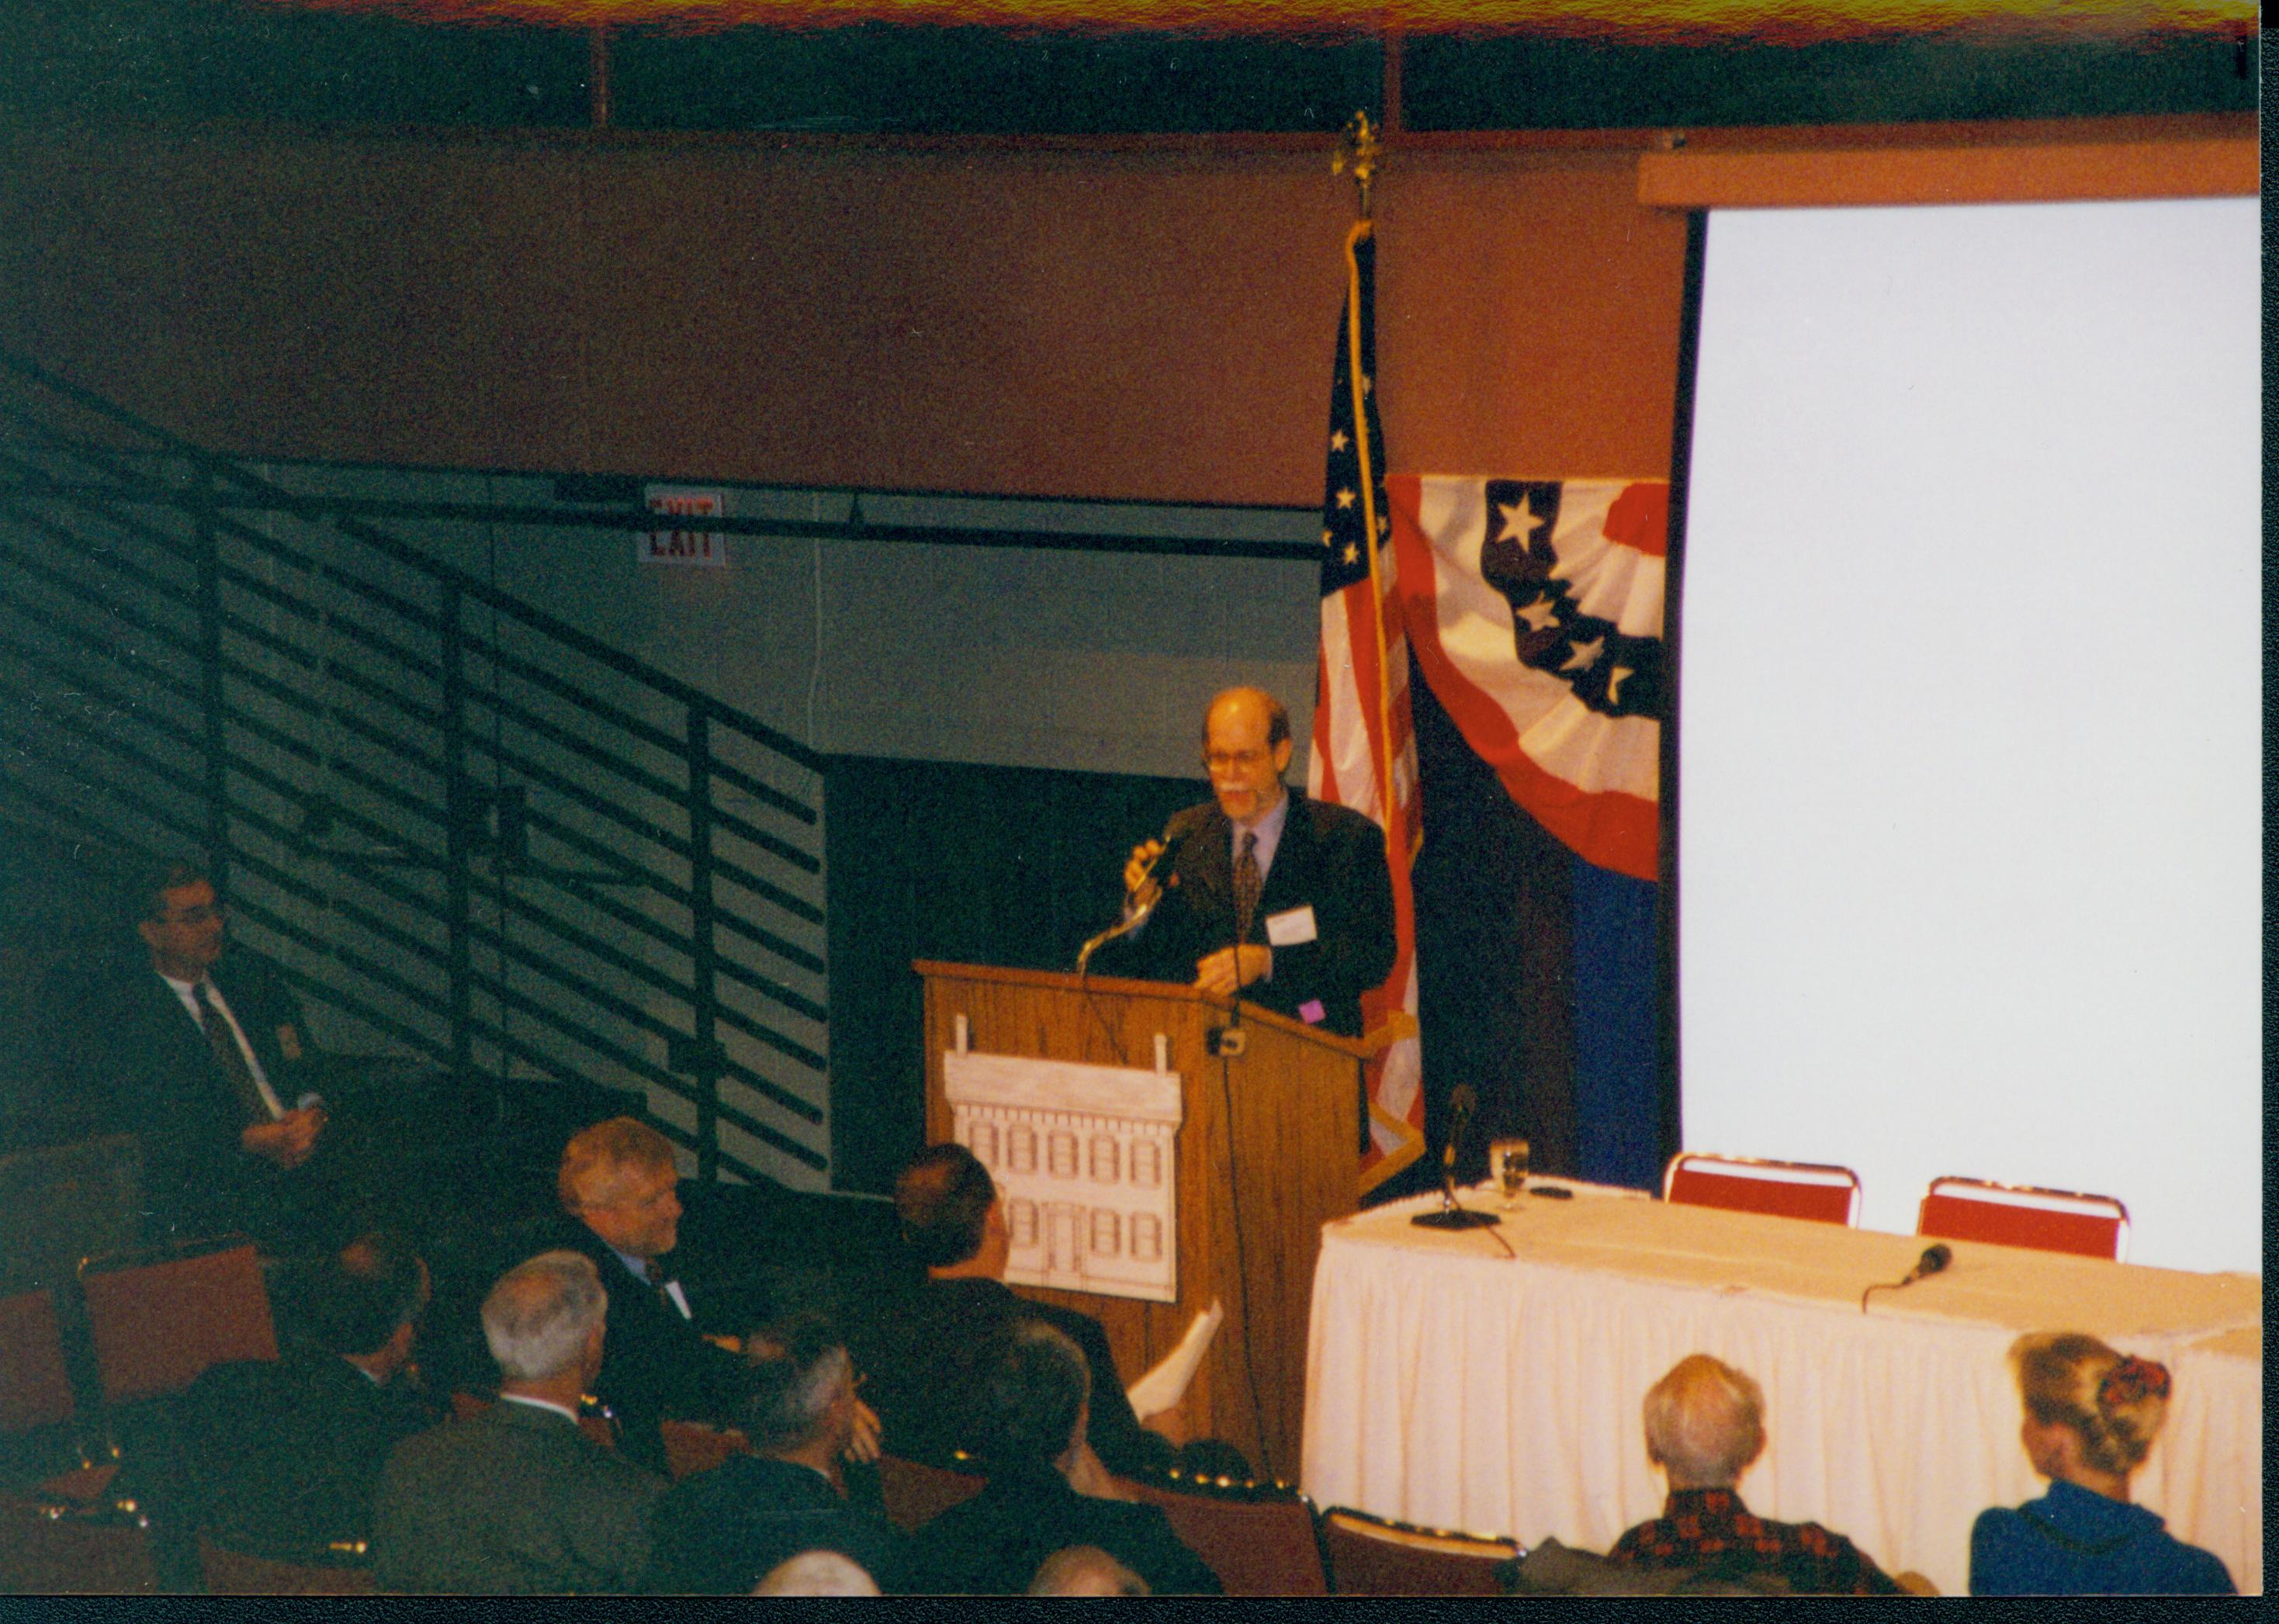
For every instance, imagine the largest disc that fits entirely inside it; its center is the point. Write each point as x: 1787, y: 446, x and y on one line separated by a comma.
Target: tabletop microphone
x: 1936, y: 1257
x: 1463, y: 1100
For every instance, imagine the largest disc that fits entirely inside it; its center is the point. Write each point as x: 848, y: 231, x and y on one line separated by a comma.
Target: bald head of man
x: 1246, y: 748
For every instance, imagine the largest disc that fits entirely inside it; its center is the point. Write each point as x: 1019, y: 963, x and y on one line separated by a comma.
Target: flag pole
x: 1358, y: 148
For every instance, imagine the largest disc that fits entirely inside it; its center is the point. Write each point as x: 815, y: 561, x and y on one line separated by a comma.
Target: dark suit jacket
x: 994, y: 1543
x: 923, y: 1359
x: 515, y: 1501
x: 719, y: 1533
x: 1331, y: 858
x: 282, y: 1459
x: 125, y: 1043
x: 654, y: 1364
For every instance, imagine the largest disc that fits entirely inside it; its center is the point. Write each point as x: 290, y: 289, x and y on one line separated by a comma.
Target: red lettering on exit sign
x: 684, y: 547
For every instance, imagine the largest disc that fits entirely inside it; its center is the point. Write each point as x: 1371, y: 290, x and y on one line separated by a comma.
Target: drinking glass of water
x: 1509, y: 1159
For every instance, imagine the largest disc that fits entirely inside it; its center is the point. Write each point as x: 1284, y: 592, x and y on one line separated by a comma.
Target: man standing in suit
x: 1285, y: 900
x: 196, y: 1051
x: 518, y: 1500
x: 618, y: 1184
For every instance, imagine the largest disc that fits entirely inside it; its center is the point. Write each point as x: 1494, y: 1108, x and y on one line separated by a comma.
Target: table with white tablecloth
x: 1452, y: 1385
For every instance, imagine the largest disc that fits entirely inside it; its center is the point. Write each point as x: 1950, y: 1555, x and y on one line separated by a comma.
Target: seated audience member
x: 922, y: 1356
x: 717, y: 1532
x: 2091, y: 1414
x: 1046, y: 1490
x: 816, y: 1573
x: 1086, y: 1570
x: 518, y: 1500
x: 1705, y: 1427
x: 282, y: 1459
x: 619, y: 1183
x: 198, y: 1048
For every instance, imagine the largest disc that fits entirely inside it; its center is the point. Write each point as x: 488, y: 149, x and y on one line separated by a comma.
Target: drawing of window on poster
x: 1084, y: 1158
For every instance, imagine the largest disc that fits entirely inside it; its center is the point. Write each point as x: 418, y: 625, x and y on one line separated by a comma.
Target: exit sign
x: 684, y: 547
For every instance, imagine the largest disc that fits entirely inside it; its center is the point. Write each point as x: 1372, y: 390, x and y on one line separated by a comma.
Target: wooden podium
x: 1267, y: 1153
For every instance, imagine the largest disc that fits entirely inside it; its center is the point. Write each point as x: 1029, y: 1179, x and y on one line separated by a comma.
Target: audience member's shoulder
x: 1998, y: 1522
x: 2201, y: 1572
x: 1078, y: 1325
x: 1554, y: 1569
x: 239, y: 1380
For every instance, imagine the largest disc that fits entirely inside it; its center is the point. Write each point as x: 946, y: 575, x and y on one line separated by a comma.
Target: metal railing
x: 472, y: 832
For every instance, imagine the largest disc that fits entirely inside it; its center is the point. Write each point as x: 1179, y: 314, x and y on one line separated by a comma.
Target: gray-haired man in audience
x: 518, y: 1500
x: 717, y: 1532
x: 1705, y: 1427
x: 1046, y: 1490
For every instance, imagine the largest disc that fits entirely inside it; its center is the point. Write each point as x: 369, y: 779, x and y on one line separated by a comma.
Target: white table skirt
x: 1452, y: 1386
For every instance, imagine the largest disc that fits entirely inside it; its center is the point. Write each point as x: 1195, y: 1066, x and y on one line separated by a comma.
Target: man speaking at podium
x: 1262, y: 892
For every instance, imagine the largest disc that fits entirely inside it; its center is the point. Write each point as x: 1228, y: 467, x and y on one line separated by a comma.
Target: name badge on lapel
x: 1290, y: 927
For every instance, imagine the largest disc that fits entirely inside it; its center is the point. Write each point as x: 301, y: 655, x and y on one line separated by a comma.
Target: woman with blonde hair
x: 2091, y: 1414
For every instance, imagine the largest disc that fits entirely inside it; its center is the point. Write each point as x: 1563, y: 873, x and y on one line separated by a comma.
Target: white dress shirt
x: 187, y: 991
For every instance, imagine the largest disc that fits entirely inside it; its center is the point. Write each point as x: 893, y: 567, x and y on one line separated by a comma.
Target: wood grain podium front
x: 1268, y: 1151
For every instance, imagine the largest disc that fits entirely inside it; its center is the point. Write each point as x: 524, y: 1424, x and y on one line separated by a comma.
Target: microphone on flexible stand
x: 1936, y: 1257
x: 1174, y: 837
x: 1463, y: 1101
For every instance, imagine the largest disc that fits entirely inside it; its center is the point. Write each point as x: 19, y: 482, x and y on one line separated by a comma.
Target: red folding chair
x: 35, y: 1389
x: 1809, y: 1190
x: 1374, y: 1556
x: 915, y: 1493
x: 691, y: 1448
x: 1261, y: 1539
x: 159, y: 1318
x: 48, y: 1549
x: 345, y: 1571
x: 1975, y: 1209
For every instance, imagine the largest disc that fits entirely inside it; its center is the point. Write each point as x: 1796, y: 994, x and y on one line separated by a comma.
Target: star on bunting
x: 1519, y: 521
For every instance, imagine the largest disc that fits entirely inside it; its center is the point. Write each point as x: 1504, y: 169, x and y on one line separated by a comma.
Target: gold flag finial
x: 1357, y: 150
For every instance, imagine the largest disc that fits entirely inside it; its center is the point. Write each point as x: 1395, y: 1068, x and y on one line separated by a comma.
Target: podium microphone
x: 1174, y: 835
x: 1463, y: 1101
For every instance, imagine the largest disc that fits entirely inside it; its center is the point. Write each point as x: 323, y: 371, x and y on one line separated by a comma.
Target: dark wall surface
x: 985, y: 865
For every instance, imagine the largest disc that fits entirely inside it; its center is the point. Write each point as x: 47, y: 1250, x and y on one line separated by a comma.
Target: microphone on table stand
x: 1936, y: 1257
x: 1461, y: 1103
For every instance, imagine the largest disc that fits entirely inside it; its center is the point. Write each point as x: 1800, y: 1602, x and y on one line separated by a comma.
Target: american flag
x: 1362, y: 755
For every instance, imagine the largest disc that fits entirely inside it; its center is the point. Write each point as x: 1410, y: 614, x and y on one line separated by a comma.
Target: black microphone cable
x: 1241, y: 1255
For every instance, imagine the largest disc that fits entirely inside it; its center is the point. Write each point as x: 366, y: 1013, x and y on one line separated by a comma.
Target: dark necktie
x: 229, y: 1057
x: 653, y: 1272
x: 1247, y: 885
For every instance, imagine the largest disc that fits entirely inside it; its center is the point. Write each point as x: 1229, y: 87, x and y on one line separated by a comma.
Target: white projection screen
x: 1968, y: 777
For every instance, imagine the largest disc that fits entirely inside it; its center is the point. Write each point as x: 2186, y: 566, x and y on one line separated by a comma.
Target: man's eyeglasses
x: 1219, y: 760
x: 200, y: 915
